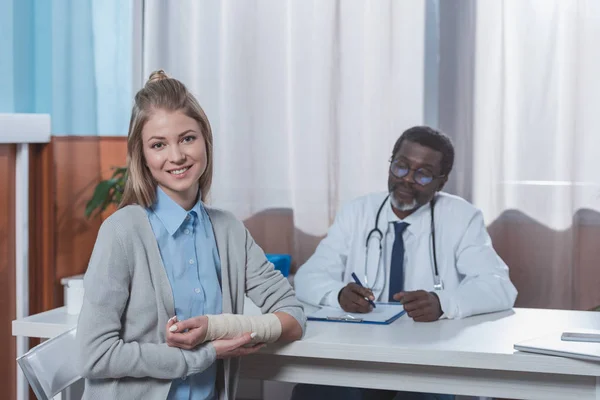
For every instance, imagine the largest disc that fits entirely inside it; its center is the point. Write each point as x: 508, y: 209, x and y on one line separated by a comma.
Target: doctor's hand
x: 420, y: 305
x: 352, y: 298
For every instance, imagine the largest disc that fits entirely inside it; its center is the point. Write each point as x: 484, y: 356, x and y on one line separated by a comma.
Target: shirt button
x: 191, y: 260
x: 197, y: 290
x: 187, y: 231
x: 187, y: 217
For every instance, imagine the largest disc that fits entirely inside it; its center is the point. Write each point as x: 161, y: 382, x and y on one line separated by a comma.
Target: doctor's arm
x: 486, y: 285
x: 101, y: 351
x: 320, y: 280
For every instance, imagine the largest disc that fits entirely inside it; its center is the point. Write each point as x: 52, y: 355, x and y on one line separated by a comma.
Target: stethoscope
x: 376, y: 233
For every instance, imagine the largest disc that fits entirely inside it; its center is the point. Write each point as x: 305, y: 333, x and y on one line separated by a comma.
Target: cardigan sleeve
x: 102, y: 352
x: 267, y: 287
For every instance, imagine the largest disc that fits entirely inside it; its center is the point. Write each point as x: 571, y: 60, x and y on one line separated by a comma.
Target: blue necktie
x: 397, y: 264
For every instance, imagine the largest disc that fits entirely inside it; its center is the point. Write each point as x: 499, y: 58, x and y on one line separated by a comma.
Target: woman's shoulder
x: 126, y: 221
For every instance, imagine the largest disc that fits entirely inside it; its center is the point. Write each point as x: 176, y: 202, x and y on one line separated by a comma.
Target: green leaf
x: 107, y: 192
x: 101, y: 197
x: 121, y: 172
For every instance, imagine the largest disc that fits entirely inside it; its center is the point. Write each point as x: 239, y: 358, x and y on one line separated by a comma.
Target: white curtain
x: 537, y: 97
x: 527, y: 109
x: 305, y: 97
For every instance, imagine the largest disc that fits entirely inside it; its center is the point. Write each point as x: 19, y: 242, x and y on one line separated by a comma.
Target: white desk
x: 45, y: 325
x: 473, y: 356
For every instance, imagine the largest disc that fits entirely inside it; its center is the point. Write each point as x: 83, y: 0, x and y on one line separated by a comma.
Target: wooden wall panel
x: 42, y: 291
x: 80, y: 163
x: 7, y: 271
x: 77, y: 170
x: 113, y: 154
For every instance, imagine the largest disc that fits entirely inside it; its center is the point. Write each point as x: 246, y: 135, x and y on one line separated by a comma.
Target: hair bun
x: 157, y: 76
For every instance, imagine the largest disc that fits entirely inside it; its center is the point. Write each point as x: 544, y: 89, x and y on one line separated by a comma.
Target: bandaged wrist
x: 227, y: 326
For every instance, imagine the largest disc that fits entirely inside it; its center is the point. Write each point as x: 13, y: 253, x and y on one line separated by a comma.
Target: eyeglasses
x: 421, y: 176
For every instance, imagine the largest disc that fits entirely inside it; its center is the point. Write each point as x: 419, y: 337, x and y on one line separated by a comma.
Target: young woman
x: 168, y: 274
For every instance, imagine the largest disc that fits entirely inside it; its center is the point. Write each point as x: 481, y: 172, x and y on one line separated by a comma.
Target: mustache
x: 404, y: 187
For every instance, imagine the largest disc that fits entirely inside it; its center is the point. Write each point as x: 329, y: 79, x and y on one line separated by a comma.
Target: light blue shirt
x: 189, y: 253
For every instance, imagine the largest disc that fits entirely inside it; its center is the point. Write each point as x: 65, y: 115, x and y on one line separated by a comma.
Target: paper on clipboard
x: 384, y: 313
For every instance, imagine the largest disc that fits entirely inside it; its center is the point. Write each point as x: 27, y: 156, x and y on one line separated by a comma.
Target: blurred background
x: 305, y: 99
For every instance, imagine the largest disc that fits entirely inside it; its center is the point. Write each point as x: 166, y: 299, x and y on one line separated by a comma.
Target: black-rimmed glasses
x: 421, y: 176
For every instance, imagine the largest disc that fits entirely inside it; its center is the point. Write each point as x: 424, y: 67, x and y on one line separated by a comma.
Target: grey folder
x: 553, y: 345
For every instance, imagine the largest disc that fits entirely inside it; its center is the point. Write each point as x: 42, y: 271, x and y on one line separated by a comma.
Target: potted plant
x: 107, y: 192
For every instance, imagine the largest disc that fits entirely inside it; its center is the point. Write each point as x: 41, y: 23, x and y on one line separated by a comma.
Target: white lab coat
x: 475, y: 278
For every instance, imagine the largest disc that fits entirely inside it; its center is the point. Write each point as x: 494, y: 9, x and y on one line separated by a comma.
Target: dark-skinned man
x: 471, y: 278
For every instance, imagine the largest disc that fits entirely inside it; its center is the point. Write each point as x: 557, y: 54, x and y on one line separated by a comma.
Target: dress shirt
x: 189, y: 253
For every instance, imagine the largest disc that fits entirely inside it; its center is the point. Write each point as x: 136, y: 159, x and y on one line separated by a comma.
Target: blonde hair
x: 164, y: 93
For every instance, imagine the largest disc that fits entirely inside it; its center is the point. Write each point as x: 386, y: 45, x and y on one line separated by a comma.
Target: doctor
x: 414, y: 244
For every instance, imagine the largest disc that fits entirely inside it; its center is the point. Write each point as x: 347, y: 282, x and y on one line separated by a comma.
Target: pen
x: 360, y: 284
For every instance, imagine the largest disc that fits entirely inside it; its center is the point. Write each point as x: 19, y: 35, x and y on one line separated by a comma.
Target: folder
x: 552, y: 345
x: 383, y: 314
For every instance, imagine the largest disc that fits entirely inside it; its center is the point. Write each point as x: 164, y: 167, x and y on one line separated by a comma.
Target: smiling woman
x: 155, y: 306
x: 163, y: 131
x: 175, y: 154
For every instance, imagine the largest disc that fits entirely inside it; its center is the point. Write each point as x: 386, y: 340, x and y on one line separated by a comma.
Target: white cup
x: 74, y: 299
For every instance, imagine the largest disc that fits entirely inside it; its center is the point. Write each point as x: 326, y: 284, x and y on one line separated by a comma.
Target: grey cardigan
x: 128, y: 300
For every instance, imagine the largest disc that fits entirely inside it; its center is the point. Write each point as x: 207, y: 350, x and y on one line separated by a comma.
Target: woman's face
x: 175, y: 154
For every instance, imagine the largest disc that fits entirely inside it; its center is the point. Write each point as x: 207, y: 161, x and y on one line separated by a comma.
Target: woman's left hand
x: 186, y: 334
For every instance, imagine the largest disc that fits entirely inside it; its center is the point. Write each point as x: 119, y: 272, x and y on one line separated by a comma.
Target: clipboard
x: 383, y: 314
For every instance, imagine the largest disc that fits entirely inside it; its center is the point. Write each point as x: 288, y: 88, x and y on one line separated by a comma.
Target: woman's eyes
x: 185, y: 139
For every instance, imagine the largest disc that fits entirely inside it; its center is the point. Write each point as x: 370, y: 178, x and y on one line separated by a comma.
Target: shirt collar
x: 419, y: 221
x: 171, y: 214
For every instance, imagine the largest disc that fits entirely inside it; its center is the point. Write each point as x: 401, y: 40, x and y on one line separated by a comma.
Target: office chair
x: 51, y: 366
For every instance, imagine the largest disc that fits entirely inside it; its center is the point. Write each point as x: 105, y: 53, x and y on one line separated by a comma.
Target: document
x: 384, y: 313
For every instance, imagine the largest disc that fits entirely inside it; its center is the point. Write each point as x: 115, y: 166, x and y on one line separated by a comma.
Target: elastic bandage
x: 228, y: 326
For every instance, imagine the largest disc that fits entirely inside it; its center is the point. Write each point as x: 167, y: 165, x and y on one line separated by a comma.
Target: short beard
x: 402, y: 206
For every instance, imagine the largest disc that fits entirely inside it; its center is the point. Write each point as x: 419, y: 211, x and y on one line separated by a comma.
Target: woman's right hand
x: 236, y: 347
x: 186, y: 334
